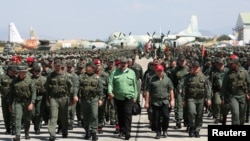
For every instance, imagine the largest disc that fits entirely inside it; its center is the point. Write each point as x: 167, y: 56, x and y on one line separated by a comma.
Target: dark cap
x: 195, y: 64
x: 82, y: 58
x: 124, y: 60
x: 182, y: 57
x: 12, y: 67
x: 71, y: 64
x: 22, y: 68
x: 112, y: 60
x: 91, y: 64
x: 80, y: 65
x: 50, y: 59
x: 36, y: 67
x: 45, y: 63
x: 58, y: 62
x: 219, y: 60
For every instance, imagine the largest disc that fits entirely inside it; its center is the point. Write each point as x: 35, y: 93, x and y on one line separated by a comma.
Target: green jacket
x: 123, y: 84
x: 22, y: 89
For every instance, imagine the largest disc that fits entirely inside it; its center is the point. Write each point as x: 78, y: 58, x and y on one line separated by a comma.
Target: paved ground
x: 140, y: 129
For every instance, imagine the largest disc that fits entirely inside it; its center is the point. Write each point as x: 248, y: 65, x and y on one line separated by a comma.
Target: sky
x: 97, y: 19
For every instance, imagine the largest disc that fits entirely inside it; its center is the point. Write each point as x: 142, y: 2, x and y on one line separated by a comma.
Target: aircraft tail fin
x: 33, y: 34
x: 192, y: 28
x: 14, y: 35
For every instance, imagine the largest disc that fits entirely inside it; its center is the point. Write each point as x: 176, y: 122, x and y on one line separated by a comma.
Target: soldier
x: 5, y: 81
x: 23, y: 94
x: 216, y: 79
x: 123, y: 87
x: 59, y: 88
x: 235, y: 90
x: 91, y: 91
x: 37, y: 112
x: 111, y: 114
x: 195, y: 89
x: 72, y: 108
x: 80, y: 71
x: 104, y: 79
x: 176, y: 76
x: 160, y: 90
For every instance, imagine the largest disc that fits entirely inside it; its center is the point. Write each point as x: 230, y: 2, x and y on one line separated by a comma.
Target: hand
x: 30, y: 107
x: 100, y: 103
x: 172, y: 103
x: 208, y: 102
x: 248, y: 97
x: 75, y: 99
x: 184, y: 103
x: 10, y: 109
x: 111, y: 96
x: 146, y: 105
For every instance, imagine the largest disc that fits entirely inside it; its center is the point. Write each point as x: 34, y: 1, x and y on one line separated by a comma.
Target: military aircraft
x: 119, y: 39
x: 15, y: 38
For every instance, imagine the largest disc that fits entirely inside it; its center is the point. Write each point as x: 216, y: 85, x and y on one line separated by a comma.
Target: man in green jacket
x: 123, y: 88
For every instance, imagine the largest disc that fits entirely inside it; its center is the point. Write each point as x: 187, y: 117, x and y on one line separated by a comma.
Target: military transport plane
x: 15, y: 37
x: 118, y: 39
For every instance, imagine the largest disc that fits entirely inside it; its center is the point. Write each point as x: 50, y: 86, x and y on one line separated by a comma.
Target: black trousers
x: 158, y: 113
x: 124, y: 112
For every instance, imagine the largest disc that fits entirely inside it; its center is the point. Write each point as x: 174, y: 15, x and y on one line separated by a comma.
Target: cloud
x: 142, y: 6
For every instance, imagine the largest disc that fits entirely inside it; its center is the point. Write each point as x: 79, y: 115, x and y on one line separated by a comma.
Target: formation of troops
x: 55, y: 86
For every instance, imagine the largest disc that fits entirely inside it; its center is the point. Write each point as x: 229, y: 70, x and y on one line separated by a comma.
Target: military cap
x: 58, y: 62
x: 133, y: 57
x: 195, y: 64
x: 112, y: 60
x: 90, y: 64
x: 12, y: 67
x: 124, y: 60
x: 182, y: 57
x: 82, y: 58
x: 233, y: 59
x: 45, y: 63
x: 159, y: 67
x: 219, y: 60
x: 22, y: 68
x: 50, y: 59
x: 71, y: 64
x: 80, y: 65
x: 36, y: 67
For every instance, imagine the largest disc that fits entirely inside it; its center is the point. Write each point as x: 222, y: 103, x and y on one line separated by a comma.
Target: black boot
x: 17, y: 138
x: 59, y: 130
x: 37, y: 131
x: 87, y: 136
x: 164, y: 134
x: 224, y: 120
x: 52, y: 138
x: 27, y: 136
x: 94, y: 137
x: 158, y: 135
x: 178, y: 124
x: 64, y: 135
x: 13, y: 131
x: 197, y: 134
x: 7, y: 132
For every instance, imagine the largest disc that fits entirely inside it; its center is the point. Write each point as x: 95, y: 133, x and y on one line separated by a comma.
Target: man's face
x: 182, y: 62
x: 196, y: 69
x: 124, y: 65
x: 21, y: 74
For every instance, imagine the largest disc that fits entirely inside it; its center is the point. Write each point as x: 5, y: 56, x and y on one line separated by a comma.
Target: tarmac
x: 140, y: 128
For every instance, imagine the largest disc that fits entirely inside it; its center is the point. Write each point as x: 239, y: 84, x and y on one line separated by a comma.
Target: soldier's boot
x: 8, y: 131
x: 59, y: 129
x: 100, y: 130
x: 17, y: 138
x: 13, y: 131
x: 87, y: 135
x: 37, y: 131
x: 178, y: 124
x: 27, y: 136
x: 65, y: 135
x: 52, y: 138
x: 224, y: 120
x: 191, y: 132
x: 94, y: 137
x: 70, y: 127
x: 117, y: 129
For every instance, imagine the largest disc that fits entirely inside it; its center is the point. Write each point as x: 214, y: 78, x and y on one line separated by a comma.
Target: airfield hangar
x: 242, y: 28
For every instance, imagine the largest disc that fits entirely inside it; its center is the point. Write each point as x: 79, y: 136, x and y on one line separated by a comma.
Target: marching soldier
x: 23, y: 95
x: 235, y: 90
x: 91, y: 91
x: 59, y: 88
x: 195, y: 89
x: 176, y: 76
x: 37, y: 112
x: 4, y: 88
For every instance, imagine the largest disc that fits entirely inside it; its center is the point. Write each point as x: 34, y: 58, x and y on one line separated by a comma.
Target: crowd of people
x: 104, y: 87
